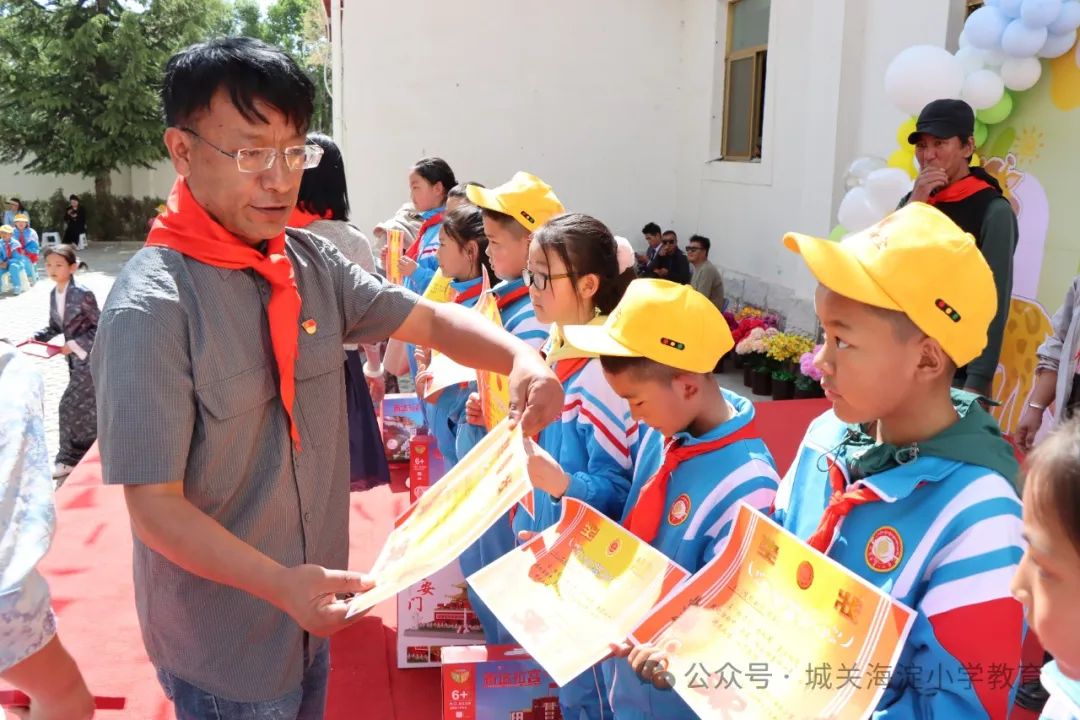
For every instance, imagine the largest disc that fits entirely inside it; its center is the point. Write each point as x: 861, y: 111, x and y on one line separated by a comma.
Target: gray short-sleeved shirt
x: 187, y: 389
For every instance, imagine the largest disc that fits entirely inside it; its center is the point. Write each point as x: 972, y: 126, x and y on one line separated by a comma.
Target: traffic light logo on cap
x: 948, y: 310
x: 672, y: 343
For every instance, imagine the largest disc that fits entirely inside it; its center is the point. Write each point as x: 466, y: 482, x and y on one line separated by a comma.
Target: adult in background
x: 15, y: 207
x: 219, y: 364
x: 652, y: 235
x: 706, y: 278
x: 944, y: 143
x: 323, y: 208
x: 669, y: 263
x: 75, y: 217
x: 1057, y: 380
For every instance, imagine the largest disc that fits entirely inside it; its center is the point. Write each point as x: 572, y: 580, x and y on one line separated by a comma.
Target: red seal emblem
x: 680, y: 510
x: 804, y: 576
x: 885, y: 550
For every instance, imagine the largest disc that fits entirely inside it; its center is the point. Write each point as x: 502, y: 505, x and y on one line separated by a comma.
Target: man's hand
x: 1030, y: 422
x: 661, y: 272
x: 407, y: 266
x: 377, y: 389
x: 536, y: 396
x: 65, y: 350
x: 544, y: 472
x: 930, y: 180
x: 651, y: 664
x: 309, y: 595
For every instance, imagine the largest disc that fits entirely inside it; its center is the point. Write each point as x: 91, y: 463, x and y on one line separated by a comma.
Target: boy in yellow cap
x: 700, y: 453
x: 512, y: 212
x: 906, y: 482
x: 13, y: 264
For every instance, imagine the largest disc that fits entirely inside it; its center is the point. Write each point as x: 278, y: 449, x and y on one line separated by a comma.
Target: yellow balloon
x: 976, y: 160
x: 903, y: 159
x: 906, y: 128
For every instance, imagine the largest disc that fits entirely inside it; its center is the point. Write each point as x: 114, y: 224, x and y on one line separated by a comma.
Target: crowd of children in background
x: 907, y: 482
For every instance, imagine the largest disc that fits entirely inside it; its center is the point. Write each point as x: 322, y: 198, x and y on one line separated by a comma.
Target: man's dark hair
x: 703, y: 241
x: 650, y: 229
x: 672, y: 234
x: 73, y: 197
x: 323, y: 188
x: 248, y: 70
x: 436, y: 170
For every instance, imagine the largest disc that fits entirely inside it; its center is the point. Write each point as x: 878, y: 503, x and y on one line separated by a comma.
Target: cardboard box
x: 496, y: 682
x: 400, y: 419
x: 433, y: 614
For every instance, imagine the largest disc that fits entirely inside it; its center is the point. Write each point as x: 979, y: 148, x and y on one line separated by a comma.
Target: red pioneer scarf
x: 959, y: 190
x: 187, y: 228
x: 302, y: 218
x: 414, y: 249
x: 840, y: 504
x: 644, y: 518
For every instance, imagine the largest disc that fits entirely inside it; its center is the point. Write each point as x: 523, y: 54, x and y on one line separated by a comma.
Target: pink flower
x: 806, y: 364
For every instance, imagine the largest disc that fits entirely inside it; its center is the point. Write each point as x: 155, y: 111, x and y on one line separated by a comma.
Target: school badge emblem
x: 680, y: 510
x: 885, y: 550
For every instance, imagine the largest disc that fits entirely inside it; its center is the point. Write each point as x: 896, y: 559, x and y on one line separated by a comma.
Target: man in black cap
x: 944, y: 143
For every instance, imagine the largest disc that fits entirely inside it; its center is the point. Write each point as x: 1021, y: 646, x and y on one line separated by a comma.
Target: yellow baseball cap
x: 6, y: 229
x: 916, y: 261
x: 526, y: 198
x: 22, y: 217
x: 666, y: 322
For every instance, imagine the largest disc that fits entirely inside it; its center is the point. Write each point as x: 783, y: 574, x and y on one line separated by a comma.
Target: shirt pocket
x: 320, y: 389
x: 239, y: 394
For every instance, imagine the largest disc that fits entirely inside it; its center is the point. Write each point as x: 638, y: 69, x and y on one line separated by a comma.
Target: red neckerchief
x: 840, y: 504
x: 644, y: 518
x: 302, y: 218
x: 511, y: 297
x: 187, y: 228
x: 414, y: 249
x: 959, y: 190
x: 564, y: 369
x: 469, y: 294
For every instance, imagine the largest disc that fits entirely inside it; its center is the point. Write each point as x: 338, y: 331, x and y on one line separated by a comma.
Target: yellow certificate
x: 395, y: 247
x: 494, y: 389
x: 576, y: 588
x: 451, y: 515
x: 773, y: 629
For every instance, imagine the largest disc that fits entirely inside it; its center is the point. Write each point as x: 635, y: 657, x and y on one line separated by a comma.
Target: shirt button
x: 307, y: 517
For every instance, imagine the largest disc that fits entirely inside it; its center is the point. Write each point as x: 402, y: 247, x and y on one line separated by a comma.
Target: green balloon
x: 838, y: 232
x: 997, y: 113
x: 980, y: 133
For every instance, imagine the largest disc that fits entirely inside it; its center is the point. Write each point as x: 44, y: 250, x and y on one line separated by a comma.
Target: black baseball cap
x: 944, y: 119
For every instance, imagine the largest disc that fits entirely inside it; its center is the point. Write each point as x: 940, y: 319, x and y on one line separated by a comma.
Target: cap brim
x: 839, y: 270
x: 486, y: 198
x: 595, y: 340
x: 943, y: 130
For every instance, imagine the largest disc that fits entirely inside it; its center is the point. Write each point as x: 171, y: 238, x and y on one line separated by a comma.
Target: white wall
x: 139, y: 182
x: 612, y: 101
x: 584, y: 94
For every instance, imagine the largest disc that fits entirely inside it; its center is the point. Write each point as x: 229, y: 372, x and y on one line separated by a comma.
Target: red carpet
x: 89, y: 570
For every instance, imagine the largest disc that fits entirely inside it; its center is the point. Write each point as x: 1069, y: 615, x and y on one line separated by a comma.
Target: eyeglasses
x: 256, y: 160
x: 668, y: 242
x: 540, y: 280
x: 693, y: 248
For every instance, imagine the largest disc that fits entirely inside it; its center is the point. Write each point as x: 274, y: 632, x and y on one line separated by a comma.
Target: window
x: 744, y: 78
x: 972, y: 6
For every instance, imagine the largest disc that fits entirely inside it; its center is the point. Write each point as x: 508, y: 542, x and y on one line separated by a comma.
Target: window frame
x: 759, y: 55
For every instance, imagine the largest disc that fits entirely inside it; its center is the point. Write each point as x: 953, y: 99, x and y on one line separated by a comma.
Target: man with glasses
x: 706, y: 279
x: 670, y: 263
x: 218, y: 368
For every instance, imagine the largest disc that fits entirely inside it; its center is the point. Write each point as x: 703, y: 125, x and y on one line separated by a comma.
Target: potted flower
x: 783, y: 349
x: 746, y: 357
x: 808, y: 379
x: 761, y: 369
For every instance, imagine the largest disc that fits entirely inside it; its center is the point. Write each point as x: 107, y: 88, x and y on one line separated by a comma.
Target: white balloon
x: 985, y: 26
x: 886, y: 187
x: 1021, y: 73
x: 1058, y: 45
x: 971, y: 58
x: 857, y: 211
x: 1019, y: 40
x: 982, y: 89
x: 993, y: 58
x: 921, y: 74
x: 1011, y: 7
x: 860, y: 169
x: 962, y: 40
x: 1039, y: 13
x: 1068, y: 19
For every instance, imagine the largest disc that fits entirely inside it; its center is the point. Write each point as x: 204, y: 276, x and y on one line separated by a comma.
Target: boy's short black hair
x: 650, y: 229
x: 643, y: 368
x: 460, y: 190
x: 65, y: 251
x: 248, y: 70
x: 507, y: 221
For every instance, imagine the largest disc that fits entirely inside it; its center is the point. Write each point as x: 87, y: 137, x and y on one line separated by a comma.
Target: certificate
x: 576, y: 588
x: 774, y: 629
x: 395, y: 248
x: 451, y: 515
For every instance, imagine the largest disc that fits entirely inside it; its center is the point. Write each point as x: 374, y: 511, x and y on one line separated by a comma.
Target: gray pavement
x: 22, y: 315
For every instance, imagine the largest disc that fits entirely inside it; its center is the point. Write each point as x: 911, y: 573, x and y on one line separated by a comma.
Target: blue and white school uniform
x: 703, y: 496
x: 447, y: 414
x: 1064, y: 702
x: 519, y: 319
x: 945, y: 540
